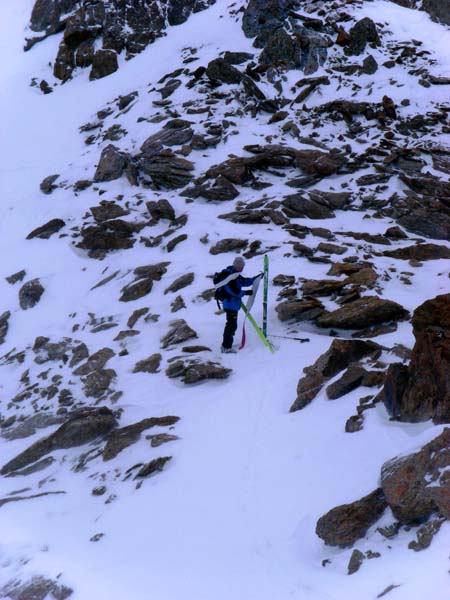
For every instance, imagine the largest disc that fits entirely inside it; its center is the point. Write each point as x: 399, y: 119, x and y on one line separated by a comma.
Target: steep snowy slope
x: 233, y: 513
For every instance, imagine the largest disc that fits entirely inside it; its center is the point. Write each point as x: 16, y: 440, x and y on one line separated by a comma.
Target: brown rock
x: 82, y: 427
x: 179, y: 332
x: 121, y: 438
x: 339, y: 356
x: 148, y: 365
x: 299, y: 310
x: 344, y: 525
x: 364, y: 312
x: 180, y: 283
x: 416, y: 485
x: 420, y: 252
x: 47, y: 230
x: 350, y: 380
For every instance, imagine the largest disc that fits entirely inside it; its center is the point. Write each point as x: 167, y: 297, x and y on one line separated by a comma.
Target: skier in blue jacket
x: 232, y: 301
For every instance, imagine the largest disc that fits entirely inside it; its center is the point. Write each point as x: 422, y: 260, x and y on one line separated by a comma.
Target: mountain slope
x: 233, y: 513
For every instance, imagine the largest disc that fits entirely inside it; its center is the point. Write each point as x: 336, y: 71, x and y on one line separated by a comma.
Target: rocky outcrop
x: 344, y: 525
x: 421, y: 391
x: 365, y: 312
x: 417, y: 485
x: 82, y: 427
x: 38, y: 588
x: 113, y: 28
x: 420, y: 252
x: 121, y: 438
x: 340, y: 355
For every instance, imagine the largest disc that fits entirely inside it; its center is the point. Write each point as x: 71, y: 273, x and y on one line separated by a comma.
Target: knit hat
x: 239, y: 262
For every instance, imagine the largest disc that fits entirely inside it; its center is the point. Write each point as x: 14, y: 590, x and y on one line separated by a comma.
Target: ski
x: 266, y: 287
x: 261, y: 335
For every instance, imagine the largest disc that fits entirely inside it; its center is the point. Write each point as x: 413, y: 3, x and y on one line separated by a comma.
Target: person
x: 233, y: 294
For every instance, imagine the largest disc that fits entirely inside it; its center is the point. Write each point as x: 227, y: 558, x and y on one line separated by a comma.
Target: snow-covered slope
x: 233, y: 514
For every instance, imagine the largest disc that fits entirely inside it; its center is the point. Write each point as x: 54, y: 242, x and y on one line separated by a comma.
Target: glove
x: 248, y: 293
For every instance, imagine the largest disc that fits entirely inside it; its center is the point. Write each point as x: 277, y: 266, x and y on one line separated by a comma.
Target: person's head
x: 239, y: 263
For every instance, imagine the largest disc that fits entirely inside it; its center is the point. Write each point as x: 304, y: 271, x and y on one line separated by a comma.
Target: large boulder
x: 344, y: 525
x: 82, y: 427
x: 417, y: 485
x: 104, y: 63
x: 419, y: 252
x: 364, y: 312
x: 421, y: 391
x: 362, y: 33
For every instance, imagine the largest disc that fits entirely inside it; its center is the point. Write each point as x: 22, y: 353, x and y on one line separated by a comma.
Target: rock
x: 305, y: 50
x: 422, y: 390
x: 154, y: 466
x: 136, y: 315
x: 112, y: 164
x: 221, y: 70
x: 322, y: 287
x: 262, y: 17
x: 169, y: 135
x: 299, y: 310
x: 30, y: 294
x: 355, y: 561
x: 425, y: 534
x: 339, y: 356
x: 354, y: 424
x: 136, y: 289
x: 328, y: 248
x: 12, y: 279
x: 107, y: 211
x: 228, y: 245
x: 47, y: 230
x: 31, y: 424
x: 97, y: 383
x: 154, y: 272
x: 171, y: 244
x: 167, y: 170
x: 180, y: 283
x: 121, y: 438
x: 161, y: 438
x: 106, y: 237
x: 48, y: 184
x: 148, y: 365
x: 161, y: 209
x: 95, y: 362
x: 416, y: 485
x: 82, y: 427
x: 38, y: 588
x: 344, y: 525
x: 362, y: 33
x: 364, y: 312
x: 438, y: 10
x: 179, y: 332
x: 419, y: 252
x: 350, y: 380
x: 369, y: 65
x: 104, y: 63
x: 4, y: 325
x: 297, y: 205
x: 194, y: 371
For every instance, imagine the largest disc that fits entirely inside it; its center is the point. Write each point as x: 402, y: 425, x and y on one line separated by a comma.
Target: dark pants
x: 230, y: 328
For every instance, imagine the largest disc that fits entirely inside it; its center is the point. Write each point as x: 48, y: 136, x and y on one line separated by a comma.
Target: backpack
x: 220, y: 293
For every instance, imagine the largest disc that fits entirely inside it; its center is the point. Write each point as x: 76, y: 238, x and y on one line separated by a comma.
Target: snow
x: 233, y: 514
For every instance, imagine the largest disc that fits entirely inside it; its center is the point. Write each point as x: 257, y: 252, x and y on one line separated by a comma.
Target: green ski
x: 266, y: 287
x: 261, y: 335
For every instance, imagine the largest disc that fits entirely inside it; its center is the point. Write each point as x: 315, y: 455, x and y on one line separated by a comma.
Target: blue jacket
x: 234, y: 290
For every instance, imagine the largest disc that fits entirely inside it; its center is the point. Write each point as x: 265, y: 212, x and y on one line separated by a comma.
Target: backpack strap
x: 227, y: 280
